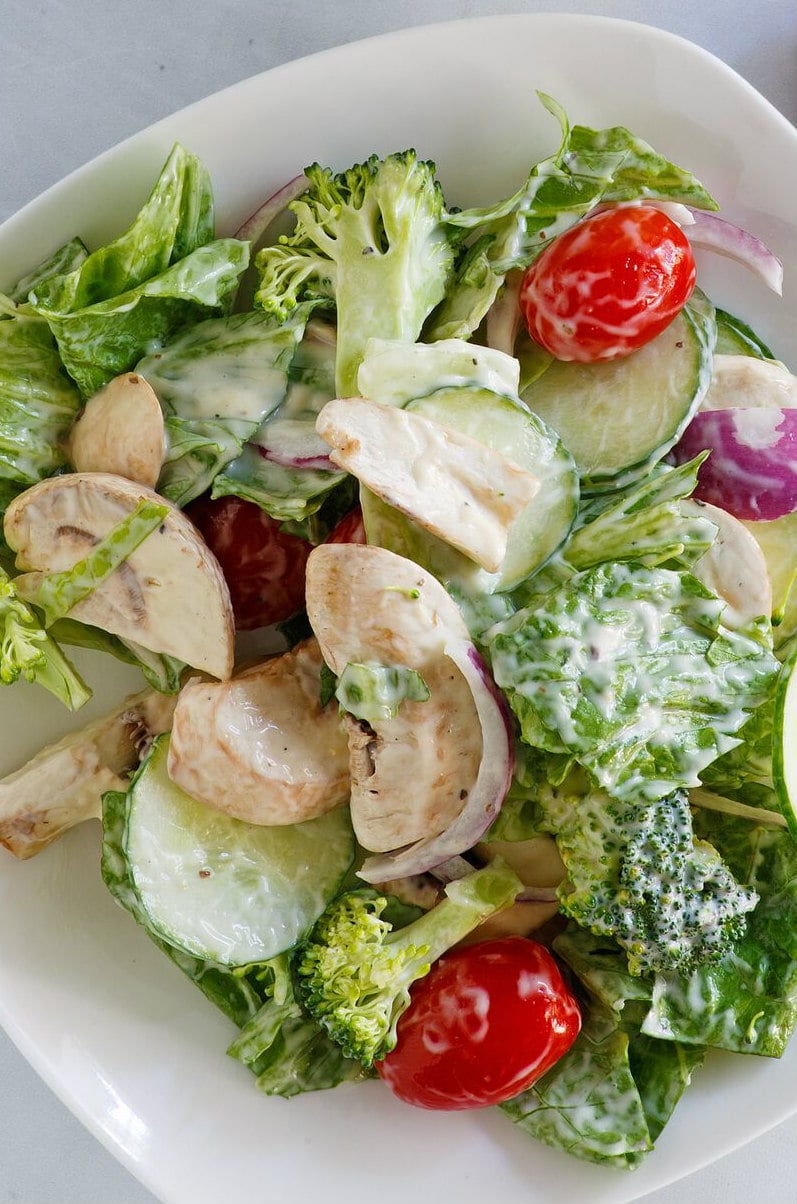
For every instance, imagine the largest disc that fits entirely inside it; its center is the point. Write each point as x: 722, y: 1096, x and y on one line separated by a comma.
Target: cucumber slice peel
x: 620, y: 418
x: 218, y: 888
x: 735, y: 337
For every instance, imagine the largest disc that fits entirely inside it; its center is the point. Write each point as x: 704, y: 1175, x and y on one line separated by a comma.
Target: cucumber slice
x: 784, y: 744
x: 506, y: 426
x: 735, y: 337
x: 533, y: 360
x: 619, y: 418
x: 777, y: 539
x: 223, y: 890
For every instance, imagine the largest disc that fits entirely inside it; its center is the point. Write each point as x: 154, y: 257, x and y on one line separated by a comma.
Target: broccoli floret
x: 636, y: 873
x: 354, y: 971
x: 370, y: 241
x: 678, y: 905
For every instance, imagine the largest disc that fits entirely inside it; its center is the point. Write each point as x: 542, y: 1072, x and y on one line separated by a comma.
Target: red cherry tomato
x: 350, y: 529
x: 485, y: 1023
x: 608, y: 285
x: 264, y: 567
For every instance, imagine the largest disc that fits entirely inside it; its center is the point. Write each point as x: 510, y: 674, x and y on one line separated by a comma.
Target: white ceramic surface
x: 132, y: 1047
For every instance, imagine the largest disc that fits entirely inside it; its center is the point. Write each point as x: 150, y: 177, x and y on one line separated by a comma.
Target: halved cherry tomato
x: 608, y: 285
x: 349, y: 529
x: 264, y: 567
x: 485, y: 1023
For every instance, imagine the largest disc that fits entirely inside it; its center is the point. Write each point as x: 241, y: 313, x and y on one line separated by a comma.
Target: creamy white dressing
x: 758, y: 429
x: 456, y: 487
x: 396, y: 372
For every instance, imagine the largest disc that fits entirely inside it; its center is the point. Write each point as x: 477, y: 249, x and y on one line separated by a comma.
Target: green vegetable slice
x: 619, y: 418
x: 735, y: 337
x: 220, y: 889
x: 630, y: 671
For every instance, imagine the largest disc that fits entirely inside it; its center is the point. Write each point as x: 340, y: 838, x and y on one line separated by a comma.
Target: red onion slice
x: 258, y: 222
x: 294, y: 443
x: 489, y: 790
x: 752, y: 469
x: 712, y: 233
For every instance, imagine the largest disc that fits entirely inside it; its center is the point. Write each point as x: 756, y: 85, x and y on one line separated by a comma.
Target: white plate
x: 114, y: 1029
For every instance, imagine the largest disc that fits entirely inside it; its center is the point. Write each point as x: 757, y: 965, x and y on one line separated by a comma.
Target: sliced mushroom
x: 120, y: 430
x: 734, y: 567
x: 63, y: 784
x: 458, y: 488
x: 168, y: 596
x: 744, y: 382
x: 411, y: 775
x: 261, y: 747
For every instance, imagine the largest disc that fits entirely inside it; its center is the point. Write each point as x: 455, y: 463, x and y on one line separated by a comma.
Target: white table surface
x: 76, y: 78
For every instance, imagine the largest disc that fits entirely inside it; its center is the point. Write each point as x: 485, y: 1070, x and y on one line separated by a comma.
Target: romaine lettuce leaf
x: 38, y: 402
x: 176, y: 219
x: 290, y: 493
x: 217, y: 381
x: 64, y: 259
x: 98, y: 341
x: 608, y: 1099
x: 374, y: 693
x: 747, y: 1002
x: 588, y: 1104
x: 162, y: 672
x: 629, y: 670
x: 286, y: 1049
x: 588, y: 168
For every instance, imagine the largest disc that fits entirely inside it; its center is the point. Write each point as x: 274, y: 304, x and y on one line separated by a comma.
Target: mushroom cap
x: 461, y: 490
x: 120, y: 430
x: 169, y: 596
x: 261, y: 747
x: 410, y: 774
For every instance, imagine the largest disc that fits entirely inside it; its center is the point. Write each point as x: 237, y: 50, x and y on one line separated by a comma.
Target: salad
x: 508, y: 819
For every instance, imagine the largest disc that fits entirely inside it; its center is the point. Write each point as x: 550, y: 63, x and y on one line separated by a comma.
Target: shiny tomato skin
x: 486, y: 1022
x: 349, y: 529
x: 263, y: 565
x: 608, y: 285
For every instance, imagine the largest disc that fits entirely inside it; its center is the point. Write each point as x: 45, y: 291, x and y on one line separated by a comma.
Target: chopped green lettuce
x: 163, y: 272
x: 38, y: 402
x: 217, y: 381
x: 608, y: 1099
x: 64, y: 260
x: 590, y: 167
x: 28, y: 652
x: 176, y: 219
x: 630, y: 671
x: 374, y: 693
x: 97, y: 342
x: 161, y: 671
x: 286, y: 1049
